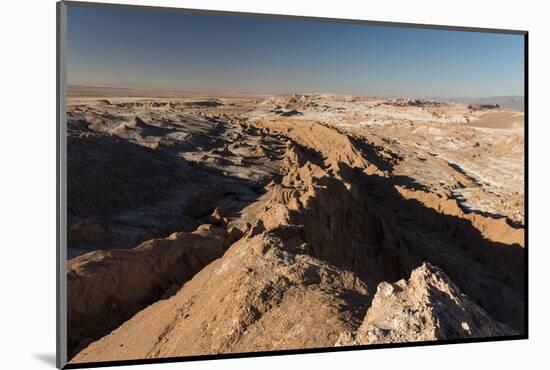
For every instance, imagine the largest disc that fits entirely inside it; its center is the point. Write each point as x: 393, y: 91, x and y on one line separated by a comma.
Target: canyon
x: 203, y: 224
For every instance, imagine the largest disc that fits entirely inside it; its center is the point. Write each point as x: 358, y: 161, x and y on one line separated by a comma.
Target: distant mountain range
x: 512, y: 102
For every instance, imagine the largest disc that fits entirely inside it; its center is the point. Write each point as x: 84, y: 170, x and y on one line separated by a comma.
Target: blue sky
x: 126, y: 47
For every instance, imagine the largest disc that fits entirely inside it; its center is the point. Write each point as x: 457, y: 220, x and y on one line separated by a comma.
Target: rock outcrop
x: 262, y: 284
x: 427, y: 307
x: 107, y: 287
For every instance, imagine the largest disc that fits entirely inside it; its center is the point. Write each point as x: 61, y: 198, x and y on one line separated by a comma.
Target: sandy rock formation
x: 297, y: 221
x: 427, y: 307
x: 105, y: 288
x: 260, y: 285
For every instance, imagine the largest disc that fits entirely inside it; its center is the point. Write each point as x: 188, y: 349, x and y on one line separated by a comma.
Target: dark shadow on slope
x: 494, y: 216
x: 370, y: 153
x: 459, y: 169
x: 399, y: 234
x: 372, y: 230
x: 139, y: 193
x: 109, y: 175
x: 409, y: 182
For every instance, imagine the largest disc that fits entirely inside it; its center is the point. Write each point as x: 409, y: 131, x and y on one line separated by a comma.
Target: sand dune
x: 499, y: 120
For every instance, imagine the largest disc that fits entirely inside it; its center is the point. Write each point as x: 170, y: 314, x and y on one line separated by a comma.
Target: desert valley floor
x: 204, y: 225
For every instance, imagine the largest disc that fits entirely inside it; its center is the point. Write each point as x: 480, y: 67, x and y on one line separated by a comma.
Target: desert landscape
x: 209, y: 223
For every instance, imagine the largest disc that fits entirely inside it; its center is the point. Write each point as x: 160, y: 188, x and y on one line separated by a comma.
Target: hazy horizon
x: 213, y: 92
x: 158, y: 50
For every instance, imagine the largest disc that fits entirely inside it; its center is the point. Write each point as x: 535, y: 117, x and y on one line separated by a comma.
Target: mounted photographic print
x: 234, y: 184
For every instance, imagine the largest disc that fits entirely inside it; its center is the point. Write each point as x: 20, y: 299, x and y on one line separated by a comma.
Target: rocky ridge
x: 307, y: 219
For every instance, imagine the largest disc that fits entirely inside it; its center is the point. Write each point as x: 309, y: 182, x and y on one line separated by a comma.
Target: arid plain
x: 206, y: 224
